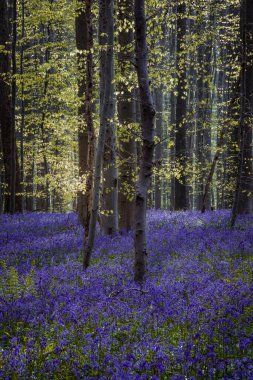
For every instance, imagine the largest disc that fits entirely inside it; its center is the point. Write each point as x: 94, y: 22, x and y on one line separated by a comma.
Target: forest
x: 126, y: 189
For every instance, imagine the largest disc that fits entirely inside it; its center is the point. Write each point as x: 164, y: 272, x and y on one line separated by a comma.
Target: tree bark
x: 147, y: 123
x: 159, y: 146
x: 86, y: 133
x: 245, y: 205
x: 100, y: 148
x: 22, y: 111
x: 126, y: 114
x: 5, y: 109
x: 181, y: 106
x: 243, y: 192
x: 203, y: 133
x: 109, y: 201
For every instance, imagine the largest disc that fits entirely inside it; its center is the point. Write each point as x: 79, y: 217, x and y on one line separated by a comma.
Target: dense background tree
x: 53, y: 74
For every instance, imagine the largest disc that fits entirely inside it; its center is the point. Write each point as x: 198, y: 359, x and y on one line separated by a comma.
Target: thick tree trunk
x: 5, y: 100
x: 7, y: 109
x: 147, y: 122
x: 109, y: 201
x: 86, y: 134
x: 100, y: 146
x: 243, y: 192
x: 126, y: 114
x: 245, y: 205
x: 181, y: 106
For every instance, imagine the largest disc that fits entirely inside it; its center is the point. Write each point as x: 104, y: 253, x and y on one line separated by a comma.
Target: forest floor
x: 193, y: 319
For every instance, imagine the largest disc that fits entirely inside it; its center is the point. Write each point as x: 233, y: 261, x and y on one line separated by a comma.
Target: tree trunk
x: 5, y: 104
x: 245, y: 205
x: 86, y: 134
x: 109, y: 199
x: 181, y: 106
x: 45, y: 140
x: 147, y: 123
x: 243, y: 192
x: 126, y: 114
x: 13, y: 106
x: 203, y: 133
x: 159, y: 146
x: 22, y: 115
x: 100, y: 146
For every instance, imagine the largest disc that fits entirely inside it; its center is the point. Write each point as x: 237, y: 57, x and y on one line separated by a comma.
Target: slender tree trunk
x: 13, y: 108
x: 100, y: 146
x: 22, y: 123
x: 172, y: 149
x: 30, y: 196
x: 172, y: 121
x: 220, y: 115
x: 109, y: 200
x: 203, y: 135
x: 181, y: 106
x: 86, y: 134
x: 147, y: 122
x: 44, y: 135
x: 159, y: 146
x: 126, y: 114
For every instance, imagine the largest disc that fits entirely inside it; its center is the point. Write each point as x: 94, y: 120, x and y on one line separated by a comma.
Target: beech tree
x: 159, y: 146
x: 8, y: 38
x: 126, y: 114
x: 243, y: 192
x: 147, y: 125
x: 203, y: 108
x: 5, y: 99
x: 245, y: 204
x: 181, y: 103
x: 105, y: 103
x: 86, y: 133
x: 109, y: 199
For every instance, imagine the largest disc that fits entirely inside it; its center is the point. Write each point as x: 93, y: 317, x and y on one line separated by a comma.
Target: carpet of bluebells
x: 193, y: 318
